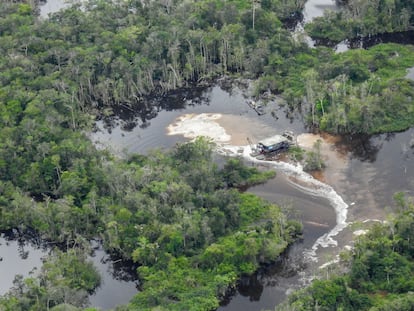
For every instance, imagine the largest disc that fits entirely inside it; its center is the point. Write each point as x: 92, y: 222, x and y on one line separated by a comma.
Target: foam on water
x: 204, y: 124
x: 193, y: 125
x: 308, y: 184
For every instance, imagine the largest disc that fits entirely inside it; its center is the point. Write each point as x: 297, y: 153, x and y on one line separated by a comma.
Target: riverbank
x: 323, y: 220
x: 23, y: 256
x: 48, y: 159
x: 352, y: 202
x: 316, y: 213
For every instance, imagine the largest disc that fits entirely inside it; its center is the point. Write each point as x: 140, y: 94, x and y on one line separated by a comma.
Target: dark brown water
x: 379, y: 167
x: 316, y: 8
x: 119, y: 280
x: 17, y: 257
x: 404, y: 37
x: 119, y: 134
x: 23, y: 256
x: 313, y: 206
x: 376, y: 168
x: 268, y: 287
x: 369, y: 171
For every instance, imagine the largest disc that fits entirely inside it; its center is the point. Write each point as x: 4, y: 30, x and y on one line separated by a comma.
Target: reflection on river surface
x: 410, y: 73
x: 24, y: 256
x: 405, y: 37
x: 119, y: 280
x: 17, y: 257
x: 365, y: 173
x: 362, y: 173
x: 376, y: 167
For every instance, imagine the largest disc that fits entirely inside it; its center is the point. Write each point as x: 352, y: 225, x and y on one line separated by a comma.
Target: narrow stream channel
x: 376, y: 167
x: 317, y: 205
x: 20, y: 256
x: 17, y: 257
x: 119, y: 283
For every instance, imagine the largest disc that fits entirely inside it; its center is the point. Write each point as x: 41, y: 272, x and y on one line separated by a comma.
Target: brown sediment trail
x: 221, y: 128
x: 239, y: 130
x: 336, y: 160
x: 236, y: 129
x: 243, y: 128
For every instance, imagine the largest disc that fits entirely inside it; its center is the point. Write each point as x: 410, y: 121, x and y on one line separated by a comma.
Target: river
x: 23, y: 256
x: 357, y: 187
x: 363, y: 172
x: 17, y: 257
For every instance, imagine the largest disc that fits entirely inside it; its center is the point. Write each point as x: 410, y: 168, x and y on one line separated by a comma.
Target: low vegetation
x: 313, y: 158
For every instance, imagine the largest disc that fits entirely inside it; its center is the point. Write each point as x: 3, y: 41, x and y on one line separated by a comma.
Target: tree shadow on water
x: 362, y: 147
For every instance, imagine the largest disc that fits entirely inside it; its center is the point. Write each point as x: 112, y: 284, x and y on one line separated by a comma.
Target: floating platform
x: 273, y: 145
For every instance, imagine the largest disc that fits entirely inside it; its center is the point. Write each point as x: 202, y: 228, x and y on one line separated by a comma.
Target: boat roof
x: 277, y: 139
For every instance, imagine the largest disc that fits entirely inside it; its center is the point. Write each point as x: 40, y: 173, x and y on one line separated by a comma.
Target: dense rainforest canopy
x: 177, y: 214
x: 357, y: 19
x: 103, y: 54
x: 380, y: 271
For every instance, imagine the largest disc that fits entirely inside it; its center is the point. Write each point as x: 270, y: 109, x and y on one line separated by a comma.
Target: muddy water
x: 316, y: 8
x: 356, y: 188
x: 119, y: 281
x: 308, y: 199
x: 311, y: 10
x: 20, y: 256
x: 119, y: 285
x: 269, y: 287
x: 379, y: 166
x: 364, y: 172
x: 232, y: 106
x: 361, y: 176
